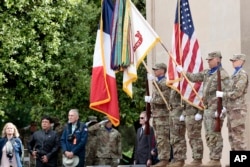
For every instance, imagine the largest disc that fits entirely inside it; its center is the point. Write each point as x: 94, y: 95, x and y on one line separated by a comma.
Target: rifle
x: 217, y: 127
x: 148, y: 110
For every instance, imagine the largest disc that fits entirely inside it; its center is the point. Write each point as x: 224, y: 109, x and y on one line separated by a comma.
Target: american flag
x: 186, y: 52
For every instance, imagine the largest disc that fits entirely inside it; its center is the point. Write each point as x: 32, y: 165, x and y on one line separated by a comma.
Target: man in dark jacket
x: 143, y: 144
x: 44, y: 145
x: 74, y: 138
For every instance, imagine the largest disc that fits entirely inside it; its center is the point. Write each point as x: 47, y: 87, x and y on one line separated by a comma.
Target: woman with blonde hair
x: 10, y: 146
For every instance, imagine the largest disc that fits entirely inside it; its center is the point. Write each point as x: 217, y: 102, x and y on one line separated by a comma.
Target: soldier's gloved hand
x: 182, y: 118
x: 87, y: 123
x: 179, y: 68
x: 224, y: 110
x: 148, y: 99
x: 197, y: 117
x: 219, y: 93
x: 103, y: 122
x: 150, y: 77
x: 222, y: 114
x: 216, y: 114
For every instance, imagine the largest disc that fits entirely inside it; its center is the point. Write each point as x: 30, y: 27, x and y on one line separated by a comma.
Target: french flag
x: 103, y: 93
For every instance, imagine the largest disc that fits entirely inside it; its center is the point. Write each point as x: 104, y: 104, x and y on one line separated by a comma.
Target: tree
x: 42, y: 65
x: 46, y: 50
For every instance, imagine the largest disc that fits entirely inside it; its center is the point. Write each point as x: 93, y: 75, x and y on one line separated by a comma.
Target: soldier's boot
x: 212, y: 163
x: 179, y: 163
x: 194, y: 163
x: 162, y: 163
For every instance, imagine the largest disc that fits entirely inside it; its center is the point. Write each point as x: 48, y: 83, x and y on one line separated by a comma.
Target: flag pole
x: 179, y: 39
x: 183, y: 74
x: 157, y: 87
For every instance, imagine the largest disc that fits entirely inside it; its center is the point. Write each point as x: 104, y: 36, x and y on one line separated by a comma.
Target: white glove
x: 182, y: 118
x: 148, y: 99
x: 223, y: 113
x: 103, y: 122
x: 219, y: 94
x: 150, y: 77
x: 216, y: 114
x: 179, y: 68
x: 198, y: 117
x: 224, y: 110
x: 87, y: 123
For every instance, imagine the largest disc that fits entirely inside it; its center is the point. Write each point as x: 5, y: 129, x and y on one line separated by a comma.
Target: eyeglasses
x: 141, y: 117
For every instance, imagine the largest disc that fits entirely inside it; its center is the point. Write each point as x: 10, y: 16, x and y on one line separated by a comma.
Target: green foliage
x: 46, y: 62
x: 30, y: 39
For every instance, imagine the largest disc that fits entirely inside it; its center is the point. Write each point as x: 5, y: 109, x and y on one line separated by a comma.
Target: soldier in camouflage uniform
x: 58, y: 127
x: 193, y: 121
x: 91, y: 142
x: 214, y: 139
x: 177, y: 130
x: 26, y: 133
x: 109, y: 145
x: 160, y: 113
x: 236, y: 104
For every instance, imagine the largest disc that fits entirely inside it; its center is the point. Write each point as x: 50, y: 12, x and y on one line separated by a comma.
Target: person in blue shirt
x: 74, y: 138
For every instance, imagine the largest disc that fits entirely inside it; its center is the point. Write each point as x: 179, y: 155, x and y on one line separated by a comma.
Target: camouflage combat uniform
x: 109, y: 146
x: 237, y: 109
x: 177, y: 130
x: 193, y: 129
x: 214, y: 139
x: 91, y: 148
x: 59, y: 129
x: 160, y: 117
x: 25, y: 135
